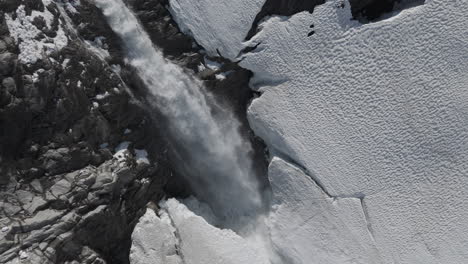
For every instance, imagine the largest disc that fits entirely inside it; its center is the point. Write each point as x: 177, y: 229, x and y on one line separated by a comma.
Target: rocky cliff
x: 83, y: 152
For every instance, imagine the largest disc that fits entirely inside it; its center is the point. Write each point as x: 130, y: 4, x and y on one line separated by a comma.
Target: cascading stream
x: 217, y: 159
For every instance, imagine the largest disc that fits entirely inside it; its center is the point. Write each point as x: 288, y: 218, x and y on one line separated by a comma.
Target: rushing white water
x: 216, y: 158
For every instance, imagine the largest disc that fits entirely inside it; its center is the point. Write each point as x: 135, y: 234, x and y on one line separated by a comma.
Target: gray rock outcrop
x: 65, y: 197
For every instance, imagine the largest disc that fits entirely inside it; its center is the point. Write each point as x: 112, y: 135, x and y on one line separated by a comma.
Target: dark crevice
x: 366, y: 11
x: 367, y: 218
x: 248, y: 49
x: 282, y: 8
x: 287, y: 158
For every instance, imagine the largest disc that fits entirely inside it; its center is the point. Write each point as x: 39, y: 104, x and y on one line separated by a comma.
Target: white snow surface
x: 308, y: 226
x: 153, y: 241
x: 26, y: 34
x: 156, y: 238
x: 376, y: 111
x: 203, y: 243
x: 217, y: 25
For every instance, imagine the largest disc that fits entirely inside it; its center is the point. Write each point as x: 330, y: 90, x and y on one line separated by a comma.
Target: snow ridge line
x: 359, y: 196
x: 304, y: 170
x: 176, y: 235
x: 367, y: 219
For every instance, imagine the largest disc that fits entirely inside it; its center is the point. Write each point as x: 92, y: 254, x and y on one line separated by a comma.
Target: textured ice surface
x: 308, y: 226
x: 217, y: 25
x: 154, y: 241
x: 376, y: 111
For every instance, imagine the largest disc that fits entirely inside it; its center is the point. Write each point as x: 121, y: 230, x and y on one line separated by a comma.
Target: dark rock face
x: 282, y: 8
x: 363, y: 10
x: 65, y: 198
x: 371, y: 10
x: 164, y: 32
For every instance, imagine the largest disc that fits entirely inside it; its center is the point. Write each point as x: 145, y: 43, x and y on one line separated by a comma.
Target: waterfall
x: 217, y: 160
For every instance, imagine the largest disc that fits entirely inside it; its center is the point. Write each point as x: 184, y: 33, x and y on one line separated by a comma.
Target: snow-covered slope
x: 373, y: 112
x: 154, y: 241
x: 376, y: 111
x: 219, y: 26
x: 197, y: 241
x: 308, y: 226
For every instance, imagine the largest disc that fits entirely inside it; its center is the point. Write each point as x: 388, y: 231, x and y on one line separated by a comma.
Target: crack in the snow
x: 367, y: 219
x: 304, y: 170
x: 176, y: 235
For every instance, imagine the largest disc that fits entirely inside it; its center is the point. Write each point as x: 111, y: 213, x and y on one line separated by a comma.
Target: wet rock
x: 7, y: 63
x: 3, y: 46
x: 5, y: 97
x: 10, y: 85
x: 161, y: 27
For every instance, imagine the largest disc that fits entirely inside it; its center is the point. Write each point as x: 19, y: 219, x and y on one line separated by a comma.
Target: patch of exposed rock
x: 281, y: 8
x: 71, y: 183
x: 371, y: 10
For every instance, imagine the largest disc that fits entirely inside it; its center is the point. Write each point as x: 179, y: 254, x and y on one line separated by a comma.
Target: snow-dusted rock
x: 33, y: 44
x: 219, y: 26
x: 50, y: 133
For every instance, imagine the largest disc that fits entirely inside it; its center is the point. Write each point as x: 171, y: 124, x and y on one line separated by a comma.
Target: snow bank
x: 376, y: 111
x: 181, y: 236
x: 217, y: 25
x: 153, y: 241
x: 202, y: 243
